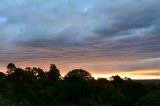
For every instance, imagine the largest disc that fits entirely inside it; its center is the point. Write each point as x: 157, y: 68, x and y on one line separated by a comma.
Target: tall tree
x: 53, y: 73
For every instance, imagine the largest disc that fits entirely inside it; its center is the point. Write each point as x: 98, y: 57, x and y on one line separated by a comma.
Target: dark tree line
x: 35, y: 87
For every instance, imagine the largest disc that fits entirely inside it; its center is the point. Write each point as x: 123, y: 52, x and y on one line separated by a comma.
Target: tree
x: 2, y: 82
x: 78, y: 74
x: 127, y: 79
x: 151, y: 99
x: 102, y: 81
x: 11, y: 68
x: 118, y: 99
x: 78, y: 85
x: 34, y: 87
x: 38, y: 73
x: 2, y: 76
x: 53, y: 73
x: 116, y: 79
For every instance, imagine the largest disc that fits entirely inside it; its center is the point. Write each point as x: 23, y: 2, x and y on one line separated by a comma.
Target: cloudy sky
x: 104, y: 37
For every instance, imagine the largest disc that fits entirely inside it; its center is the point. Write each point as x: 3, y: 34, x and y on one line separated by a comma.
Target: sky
x: 104, y: 37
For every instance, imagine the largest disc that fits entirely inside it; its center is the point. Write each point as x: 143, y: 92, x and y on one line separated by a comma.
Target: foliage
x: 151, y: 99
x: 53, y: 73
x: 35, y: 87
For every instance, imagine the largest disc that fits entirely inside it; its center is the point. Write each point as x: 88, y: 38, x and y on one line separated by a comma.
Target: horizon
x: 107, y: 75
x: 103, y: 37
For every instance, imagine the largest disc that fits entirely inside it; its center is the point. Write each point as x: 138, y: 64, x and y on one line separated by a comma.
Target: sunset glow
x: 104, y: 37
x: 150, y: 74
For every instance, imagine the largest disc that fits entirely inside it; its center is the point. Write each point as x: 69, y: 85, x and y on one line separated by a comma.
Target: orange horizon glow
x: 134, y: 74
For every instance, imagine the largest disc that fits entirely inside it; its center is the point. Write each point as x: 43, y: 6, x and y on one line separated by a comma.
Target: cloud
x: 97, y: 35
x: 129, y: 17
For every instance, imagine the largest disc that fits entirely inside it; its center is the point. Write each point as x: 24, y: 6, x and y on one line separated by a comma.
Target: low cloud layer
x: 91, y: 34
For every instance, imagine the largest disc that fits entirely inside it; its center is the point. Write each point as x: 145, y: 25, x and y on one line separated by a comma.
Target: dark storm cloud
x: 129, y: 17
x: 93, y: 32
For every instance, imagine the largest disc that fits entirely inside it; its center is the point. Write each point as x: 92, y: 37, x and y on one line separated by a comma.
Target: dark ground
x: 149, y: 81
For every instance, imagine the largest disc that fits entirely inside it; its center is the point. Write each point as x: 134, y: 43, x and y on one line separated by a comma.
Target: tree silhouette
x: 116, y: 79
x: 35, y: 87
x: 2, y: 76
x: 11, y: 68
x: 53, y: 73
x: 78, y: 74
x: 38, y: 73
x: 151, y: 99
x: 127, y: 79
